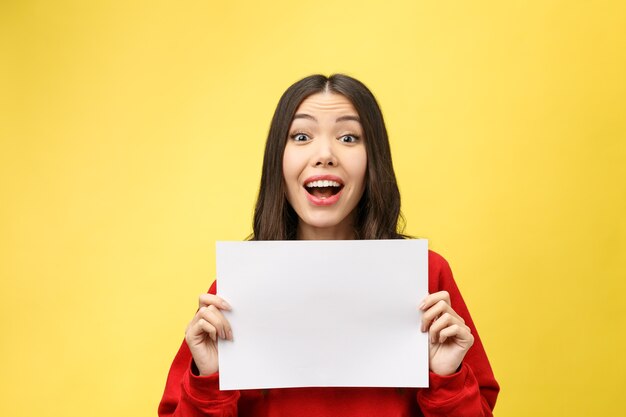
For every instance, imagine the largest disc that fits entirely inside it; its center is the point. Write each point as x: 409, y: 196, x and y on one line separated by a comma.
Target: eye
x: 300, y: 137
x: 349, y: 138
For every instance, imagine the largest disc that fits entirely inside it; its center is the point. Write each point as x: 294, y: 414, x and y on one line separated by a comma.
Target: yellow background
x: 132, y: 135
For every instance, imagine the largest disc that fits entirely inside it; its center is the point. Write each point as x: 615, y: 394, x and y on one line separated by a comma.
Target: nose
x: 325, y: 155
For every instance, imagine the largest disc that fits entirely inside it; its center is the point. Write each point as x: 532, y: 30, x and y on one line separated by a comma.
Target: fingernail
x: 421, y: 307
x: 222, y: 334
x: 230, y: 335
x: 226, y: 305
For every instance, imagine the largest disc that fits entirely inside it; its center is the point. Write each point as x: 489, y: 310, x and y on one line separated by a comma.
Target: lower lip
x: 323, y: 201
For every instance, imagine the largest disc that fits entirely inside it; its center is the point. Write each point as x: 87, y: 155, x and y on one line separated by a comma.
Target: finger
x: 458, y: 331
x: 199, y: 330
x: 214, y: 316
x: 434, y: 298
x: 434, y: 312
x: 208, y: 328
x: 211, y: 299
x: 442, y: 306
x: 444, y: 321
x: 210, y: 314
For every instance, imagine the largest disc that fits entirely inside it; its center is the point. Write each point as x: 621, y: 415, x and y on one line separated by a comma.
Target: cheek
x: 358, y: 167
x: 286, y: 164
x: 290, y: 169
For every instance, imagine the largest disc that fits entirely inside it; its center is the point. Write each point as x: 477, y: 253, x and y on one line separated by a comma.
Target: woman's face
x: 324, y: 166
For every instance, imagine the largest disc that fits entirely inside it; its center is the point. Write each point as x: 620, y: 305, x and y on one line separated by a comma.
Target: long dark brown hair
x: 378, y: 213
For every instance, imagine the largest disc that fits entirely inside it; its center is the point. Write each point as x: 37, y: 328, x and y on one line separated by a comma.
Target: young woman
x: 327, y: 174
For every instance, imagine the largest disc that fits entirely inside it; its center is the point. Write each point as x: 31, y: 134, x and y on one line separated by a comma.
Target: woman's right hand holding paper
x: 207, y: 326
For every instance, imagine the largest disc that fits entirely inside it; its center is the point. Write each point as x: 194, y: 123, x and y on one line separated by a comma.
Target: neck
x: 339, y: 232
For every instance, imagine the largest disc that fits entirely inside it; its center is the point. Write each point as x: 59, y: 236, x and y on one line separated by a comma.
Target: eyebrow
x: 348, y: 117
x: 339, y: 119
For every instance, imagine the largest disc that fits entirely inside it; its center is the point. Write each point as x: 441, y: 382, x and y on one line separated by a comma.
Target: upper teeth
x: 323, y: 183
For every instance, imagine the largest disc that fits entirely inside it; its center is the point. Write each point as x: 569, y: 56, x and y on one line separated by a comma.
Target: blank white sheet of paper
x: 323, y: 313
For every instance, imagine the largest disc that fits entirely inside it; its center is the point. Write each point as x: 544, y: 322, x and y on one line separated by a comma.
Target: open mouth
x: 323, y: 189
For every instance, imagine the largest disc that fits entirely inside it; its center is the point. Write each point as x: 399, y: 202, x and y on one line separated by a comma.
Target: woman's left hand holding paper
x: 449, y: 337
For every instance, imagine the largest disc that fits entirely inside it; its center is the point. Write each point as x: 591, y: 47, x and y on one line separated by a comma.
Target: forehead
x: 327, y: 103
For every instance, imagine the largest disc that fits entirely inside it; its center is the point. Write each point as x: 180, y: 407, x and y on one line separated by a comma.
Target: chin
x: 323, y: 220
x: 320, y: 222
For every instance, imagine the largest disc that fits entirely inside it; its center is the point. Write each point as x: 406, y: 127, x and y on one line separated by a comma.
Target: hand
x: 449, y: 337
x: 201, y: 335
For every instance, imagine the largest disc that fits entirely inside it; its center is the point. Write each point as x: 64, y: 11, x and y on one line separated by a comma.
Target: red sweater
x: 471, y: 392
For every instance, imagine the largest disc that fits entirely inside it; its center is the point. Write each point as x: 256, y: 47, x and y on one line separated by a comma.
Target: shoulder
x: 439, y: 272
x: 437, y: 263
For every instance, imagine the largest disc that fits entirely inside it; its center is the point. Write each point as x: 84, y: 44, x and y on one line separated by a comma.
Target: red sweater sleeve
x: 189, y: 395
x: 472, y: 391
